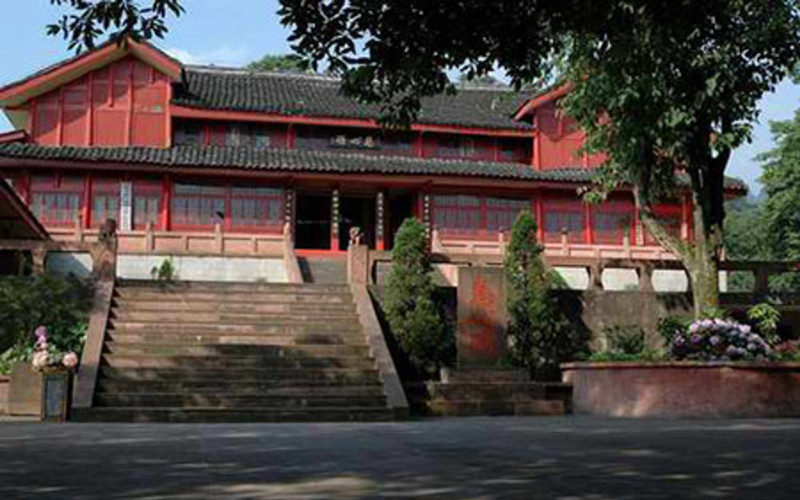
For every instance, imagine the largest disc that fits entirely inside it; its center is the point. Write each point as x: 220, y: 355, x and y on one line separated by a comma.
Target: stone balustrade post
x: 104, y: 253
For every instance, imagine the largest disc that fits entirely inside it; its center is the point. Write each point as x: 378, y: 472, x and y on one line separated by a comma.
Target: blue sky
x: 234, y: 32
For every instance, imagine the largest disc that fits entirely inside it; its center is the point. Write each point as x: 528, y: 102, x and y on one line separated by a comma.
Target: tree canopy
x: 288, y: 63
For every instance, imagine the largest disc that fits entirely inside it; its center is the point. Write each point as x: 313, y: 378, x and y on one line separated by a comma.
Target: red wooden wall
x: 560, y: 141
x: 122, y: 104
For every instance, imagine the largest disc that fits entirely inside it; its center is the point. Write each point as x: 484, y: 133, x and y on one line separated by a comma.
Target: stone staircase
x: 235, y: 352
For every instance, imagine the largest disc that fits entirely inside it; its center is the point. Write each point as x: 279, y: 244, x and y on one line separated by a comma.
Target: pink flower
x: 70, y: 360
x: 41, y: 331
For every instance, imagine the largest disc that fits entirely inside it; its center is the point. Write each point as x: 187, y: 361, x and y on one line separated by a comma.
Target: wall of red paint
x: 560, y: 140
x: 123, y: 104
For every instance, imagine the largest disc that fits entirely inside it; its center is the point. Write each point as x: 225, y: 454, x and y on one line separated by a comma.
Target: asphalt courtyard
x: 571, y: 458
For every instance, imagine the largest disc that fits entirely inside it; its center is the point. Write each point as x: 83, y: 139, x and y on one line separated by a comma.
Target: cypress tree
x: 540, y: 338
x: 411, y: 310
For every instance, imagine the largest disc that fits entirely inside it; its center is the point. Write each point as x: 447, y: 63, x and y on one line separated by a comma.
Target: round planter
x: 685, y: 389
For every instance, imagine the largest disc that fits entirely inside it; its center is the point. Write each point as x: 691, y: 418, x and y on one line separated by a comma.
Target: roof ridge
x: 229, y: 70
x: 244, y: 71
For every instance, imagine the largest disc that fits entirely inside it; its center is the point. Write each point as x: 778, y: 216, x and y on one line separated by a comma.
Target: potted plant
x: 42, y: 386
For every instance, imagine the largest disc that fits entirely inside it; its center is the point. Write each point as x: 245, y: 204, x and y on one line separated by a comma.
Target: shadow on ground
x: 465, y: 459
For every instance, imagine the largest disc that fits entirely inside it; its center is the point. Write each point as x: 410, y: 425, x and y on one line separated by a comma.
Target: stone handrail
x: 86, y: 380
x: 289, y: 258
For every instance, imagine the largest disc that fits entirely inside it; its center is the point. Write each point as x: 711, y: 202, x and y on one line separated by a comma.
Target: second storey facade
x: 202, y: 160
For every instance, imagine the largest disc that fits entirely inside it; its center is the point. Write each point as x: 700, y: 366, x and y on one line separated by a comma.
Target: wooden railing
x: 594, y: 266
x: 453, y: 245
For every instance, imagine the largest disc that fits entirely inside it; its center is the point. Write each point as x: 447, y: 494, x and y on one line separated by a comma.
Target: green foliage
x: 671, y: 326
x: 541, y: 339
x: 625, y: 339
x: 119, y: 19
x: 61, y: 305
x: 410, y: 307
x: 288, y: 63
x: 164, y: 272
x: 781, y: 211
x: 766, y: 320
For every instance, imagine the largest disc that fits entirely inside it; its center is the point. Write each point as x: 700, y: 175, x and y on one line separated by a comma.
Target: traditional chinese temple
x: 200, y: 161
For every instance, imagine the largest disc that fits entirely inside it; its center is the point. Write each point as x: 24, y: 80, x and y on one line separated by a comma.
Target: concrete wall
x: 242, y: 269
x: 4, y: 383
x: 65, y: 263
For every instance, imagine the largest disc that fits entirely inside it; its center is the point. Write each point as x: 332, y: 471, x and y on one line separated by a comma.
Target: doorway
x: 401, y: 206
x: 313, y: 221
x: 357, y: 211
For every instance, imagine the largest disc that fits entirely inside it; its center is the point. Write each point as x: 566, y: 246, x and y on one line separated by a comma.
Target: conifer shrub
x: 410, y: 305
x: 540, y: 337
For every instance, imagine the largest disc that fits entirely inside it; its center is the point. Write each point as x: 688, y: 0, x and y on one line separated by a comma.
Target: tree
x: 411, y: 310
x: 745, y: 239
x: 658, y: 94
x: 658, y: 86
x: 781, y: 211
x: 540, y: 336
x: 288, y: 63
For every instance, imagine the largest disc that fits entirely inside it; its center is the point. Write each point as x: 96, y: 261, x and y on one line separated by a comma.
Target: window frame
x: 614, y: 208
x: 564, y: 208
x: 482, y: 209
x: 54, y: 187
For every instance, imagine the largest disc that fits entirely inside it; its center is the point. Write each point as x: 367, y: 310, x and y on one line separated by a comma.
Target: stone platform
x: 497, y: 392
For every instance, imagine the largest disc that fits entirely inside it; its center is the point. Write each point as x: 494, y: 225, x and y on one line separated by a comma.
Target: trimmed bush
x: 411, y: 309
x: 541, y: 339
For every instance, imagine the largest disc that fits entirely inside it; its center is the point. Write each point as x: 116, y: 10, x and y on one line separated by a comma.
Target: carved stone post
x: 645, y: 272
x: 39, y: 257
x: 357, y: 259
x: 595, y: 277
x: 104, y: 253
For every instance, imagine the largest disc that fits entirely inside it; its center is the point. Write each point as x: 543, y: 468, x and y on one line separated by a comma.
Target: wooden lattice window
x: 57, y: 200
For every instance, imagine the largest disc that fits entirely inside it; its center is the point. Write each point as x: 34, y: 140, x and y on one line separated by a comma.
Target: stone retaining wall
x: 685, y: 389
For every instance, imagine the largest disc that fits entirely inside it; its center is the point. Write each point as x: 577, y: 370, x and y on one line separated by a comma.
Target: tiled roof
x: 320, y: 96
x: 297, y: 160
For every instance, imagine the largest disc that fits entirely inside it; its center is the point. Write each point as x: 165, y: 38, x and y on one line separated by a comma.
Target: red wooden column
x: 166, y: 202
x: 335, y: 220
x: 539, y: 214
x: 589, y: 229
x: 380, y: 220
x: 86, y: 210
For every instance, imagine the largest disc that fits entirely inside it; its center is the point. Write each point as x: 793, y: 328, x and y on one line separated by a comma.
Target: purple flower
x: 694, y: 328
x: 696, y: 339
x: 745, y: 329
x: 731, y: 351
x: 714, y: 340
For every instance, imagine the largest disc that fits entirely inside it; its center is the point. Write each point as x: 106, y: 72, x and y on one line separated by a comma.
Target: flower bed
x: 685, y: 389
x: 707, y: 368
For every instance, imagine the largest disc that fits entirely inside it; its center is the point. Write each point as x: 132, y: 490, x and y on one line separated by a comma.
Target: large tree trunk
x: 700, y: 256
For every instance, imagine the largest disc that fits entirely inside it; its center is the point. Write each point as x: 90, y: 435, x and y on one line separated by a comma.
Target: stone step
x: 183, y: 349
x: 227, y: 287
x: 287, y: 387
x: 244, y: 375
x: 135, y: 294
x: 234, y: 362
x: 226, y: 401
x: 458, y: 408
x: 262, y: 327
x: 156, y: 337
x: 233, y: 318
x: 488, y: 391
x: 161, y: 306
x: 351, y: 414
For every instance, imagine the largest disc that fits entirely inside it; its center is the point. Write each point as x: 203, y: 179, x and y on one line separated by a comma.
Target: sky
x: 235, y: 32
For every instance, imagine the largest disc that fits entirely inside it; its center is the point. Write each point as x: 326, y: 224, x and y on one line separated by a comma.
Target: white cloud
x: 223, y: 56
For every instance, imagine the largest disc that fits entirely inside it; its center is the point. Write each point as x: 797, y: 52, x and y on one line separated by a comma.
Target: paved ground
x: 466, y: 459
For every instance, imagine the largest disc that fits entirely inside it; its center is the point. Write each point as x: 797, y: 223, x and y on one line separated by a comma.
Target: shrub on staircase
x: 541, y: 339
x: 410, y: 306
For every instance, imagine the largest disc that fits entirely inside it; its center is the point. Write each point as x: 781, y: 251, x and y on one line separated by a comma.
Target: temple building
x: 206, y: 162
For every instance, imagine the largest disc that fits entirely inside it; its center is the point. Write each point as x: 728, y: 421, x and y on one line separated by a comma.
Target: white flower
x: 70, y: 360
x: 40, y: 360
